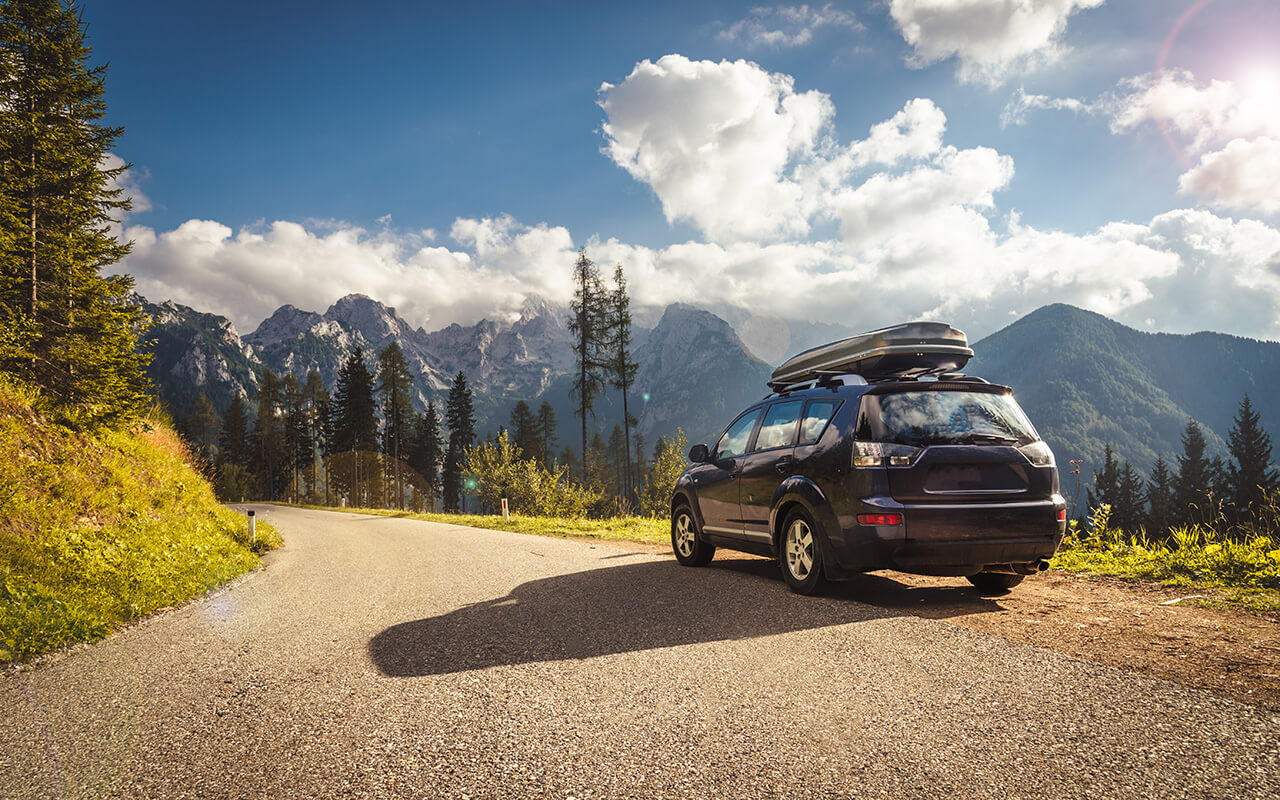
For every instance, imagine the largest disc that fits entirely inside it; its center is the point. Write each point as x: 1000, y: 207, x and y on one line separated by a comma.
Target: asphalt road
x: 377, y: 657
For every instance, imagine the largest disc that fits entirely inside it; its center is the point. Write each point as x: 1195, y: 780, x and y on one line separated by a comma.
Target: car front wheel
x: 801, y: 554
x: 690, y: 549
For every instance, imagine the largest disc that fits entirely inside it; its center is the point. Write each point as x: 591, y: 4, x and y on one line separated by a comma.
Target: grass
x: 628, y: 529
x: 1239, y: 571
x: 100, y: 529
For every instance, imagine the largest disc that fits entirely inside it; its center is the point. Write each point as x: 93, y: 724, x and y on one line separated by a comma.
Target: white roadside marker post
x: 253, y: 530
x: 505, y: 513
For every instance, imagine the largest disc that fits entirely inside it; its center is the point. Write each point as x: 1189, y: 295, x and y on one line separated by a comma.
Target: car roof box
x: 899, y: 351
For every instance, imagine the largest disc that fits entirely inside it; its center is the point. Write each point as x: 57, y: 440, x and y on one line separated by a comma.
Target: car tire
x: 800, y: 554
x: 689, y: 547
x: 995, y: 582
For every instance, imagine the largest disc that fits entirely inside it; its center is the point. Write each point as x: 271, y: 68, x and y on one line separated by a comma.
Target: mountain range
x: 1084, y: 380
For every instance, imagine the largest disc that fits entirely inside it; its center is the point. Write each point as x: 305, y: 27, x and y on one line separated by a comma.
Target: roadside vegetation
x: 1243, y: 562
x: 102, y: 518
x: 103, y: 527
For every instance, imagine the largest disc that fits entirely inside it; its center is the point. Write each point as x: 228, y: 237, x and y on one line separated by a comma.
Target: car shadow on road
x: 618, y: 609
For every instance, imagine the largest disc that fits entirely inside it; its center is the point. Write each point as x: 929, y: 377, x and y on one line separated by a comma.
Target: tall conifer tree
x: 355, y: 429
x: 524, y: 431
x: 66, y: 328
x: 1160, y: 502
x: 546, y: 430
x: 316, y: 398
x: 588, y: 324
x: 460, y: 417
x: 394, y: 383
x: 622, y: 368
x: 1192, y: 483
x: 428, y: 450
x: 1250, y: 472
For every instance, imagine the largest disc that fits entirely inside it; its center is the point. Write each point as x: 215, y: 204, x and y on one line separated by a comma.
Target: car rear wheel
x: 992, y: 582
x: 801, y: 555
x: 690, y: 549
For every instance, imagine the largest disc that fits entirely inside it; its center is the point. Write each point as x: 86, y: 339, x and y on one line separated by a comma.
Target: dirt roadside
x: 1231, y: 652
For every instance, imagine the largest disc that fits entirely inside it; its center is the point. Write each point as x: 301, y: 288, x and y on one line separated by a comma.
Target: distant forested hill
x: 1086, y: 380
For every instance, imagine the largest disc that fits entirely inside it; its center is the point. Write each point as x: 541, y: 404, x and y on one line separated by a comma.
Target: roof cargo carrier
x: 899, y: 351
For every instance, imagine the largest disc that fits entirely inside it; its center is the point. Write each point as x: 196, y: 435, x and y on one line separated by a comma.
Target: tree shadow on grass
x: 616, y: 609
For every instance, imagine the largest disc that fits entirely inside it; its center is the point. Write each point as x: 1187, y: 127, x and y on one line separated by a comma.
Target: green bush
x: 1245, y: 564
x: 500, y: 470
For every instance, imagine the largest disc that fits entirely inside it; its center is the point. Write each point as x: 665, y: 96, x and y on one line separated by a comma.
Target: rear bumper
x: 949, y: 539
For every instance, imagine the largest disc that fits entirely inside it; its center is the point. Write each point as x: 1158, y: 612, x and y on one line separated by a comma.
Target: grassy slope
x: 101, y: 529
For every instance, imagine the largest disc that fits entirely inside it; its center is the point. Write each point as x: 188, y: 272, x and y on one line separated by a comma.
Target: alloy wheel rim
x: 799, y: 550
x: 684, y: 535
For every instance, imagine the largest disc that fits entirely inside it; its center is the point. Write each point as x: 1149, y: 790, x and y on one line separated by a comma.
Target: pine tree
x: 355, y: 429
x: 1250, y: 473
x: 428, y: 450
x: 622, y: 368
x: 1160, y: 498
x: 1191, y: 485
x: 1130, y: 503
x: 202, y: 426
x: 234, y: 481
x: 589, y: 327
x: 268, y: 437
x: 460, y: 418
x: 546, y: 431
x: 67, y: 328
x: 1106, y: 483
x: 298, y: 445
x: 317, y: 400
x: 524, y: 431
x: 394, y: 384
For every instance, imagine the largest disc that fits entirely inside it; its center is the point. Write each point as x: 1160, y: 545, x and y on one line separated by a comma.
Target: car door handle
x: 784, y: 464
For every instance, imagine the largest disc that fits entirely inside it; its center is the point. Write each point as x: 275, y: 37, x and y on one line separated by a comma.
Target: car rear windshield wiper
x: 988, y: 438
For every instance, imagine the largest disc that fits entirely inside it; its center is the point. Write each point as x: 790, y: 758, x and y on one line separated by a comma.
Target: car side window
x: 816, y: 417
x: 734, y: 441
x: 779, y: 426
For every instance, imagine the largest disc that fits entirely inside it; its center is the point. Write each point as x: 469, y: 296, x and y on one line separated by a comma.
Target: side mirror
x: 699, y: 454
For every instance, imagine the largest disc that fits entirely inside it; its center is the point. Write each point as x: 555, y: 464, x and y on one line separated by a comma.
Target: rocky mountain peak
x: 287, y: 322
x: 366, y: 316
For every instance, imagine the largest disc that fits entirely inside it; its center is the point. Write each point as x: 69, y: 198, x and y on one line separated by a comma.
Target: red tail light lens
x: 879, y: 519
x: 1062, y: 515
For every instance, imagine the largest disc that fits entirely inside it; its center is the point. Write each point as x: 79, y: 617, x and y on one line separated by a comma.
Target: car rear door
x: 768, y: 463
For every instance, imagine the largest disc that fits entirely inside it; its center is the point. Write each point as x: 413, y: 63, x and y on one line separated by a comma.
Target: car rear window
x: 816, y: 417
x: 779, y: 426
x: 923, y: 418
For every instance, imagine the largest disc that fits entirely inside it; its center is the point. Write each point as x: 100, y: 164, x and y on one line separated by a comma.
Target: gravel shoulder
x: 392, y: 658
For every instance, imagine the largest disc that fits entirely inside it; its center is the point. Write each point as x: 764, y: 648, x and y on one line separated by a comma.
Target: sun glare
x: 1261, y: 81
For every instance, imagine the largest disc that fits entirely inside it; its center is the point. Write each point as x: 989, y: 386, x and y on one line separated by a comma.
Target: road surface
x: 389, y: 658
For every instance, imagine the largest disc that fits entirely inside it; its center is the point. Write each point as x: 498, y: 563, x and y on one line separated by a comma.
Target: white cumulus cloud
x: 717, y: 142
x: 916, y: 230
x: 992, y: 39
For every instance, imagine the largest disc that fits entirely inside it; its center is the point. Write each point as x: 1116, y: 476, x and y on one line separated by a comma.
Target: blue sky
x: 272, y: 140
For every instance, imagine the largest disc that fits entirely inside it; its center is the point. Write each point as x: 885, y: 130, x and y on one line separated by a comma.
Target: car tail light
x: 884, y: 454
x: 1038, y: 453
x: 879, y: 519
x: 1062, y: 515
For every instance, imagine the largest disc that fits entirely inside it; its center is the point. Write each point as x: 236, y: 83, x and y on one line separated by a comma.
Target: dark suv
x: 839, y: 476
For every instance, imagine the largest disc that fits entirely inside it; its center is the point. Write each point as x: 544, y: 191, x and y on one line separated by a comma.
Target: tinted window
x: 924, y: 418
x: 734, y: 441
x: 816, y: 417
x: 779, y: 427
